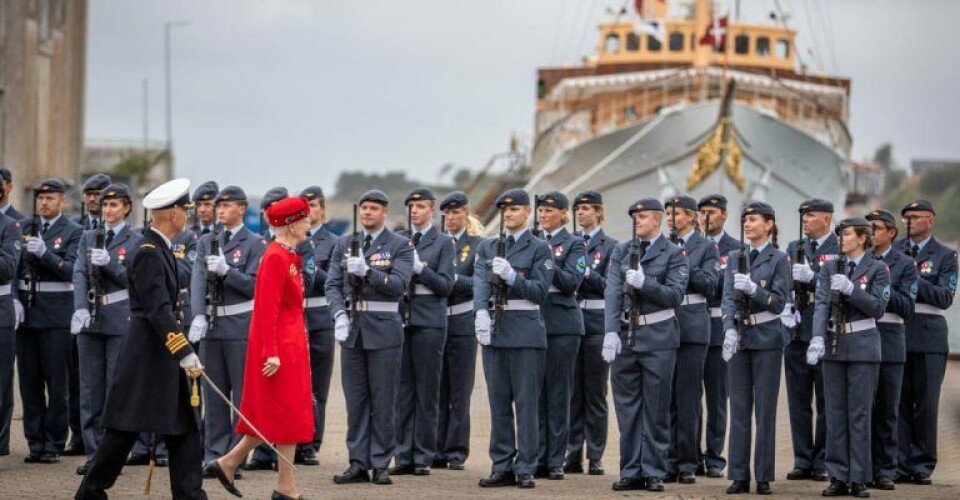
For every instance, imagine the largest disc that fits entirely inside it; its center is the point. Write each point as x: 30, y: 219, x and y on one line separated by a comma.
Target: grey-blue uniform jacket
x: 903, y: 291
x: 432, y: 286
x: 317, y: 251
x: 390, y: 261
x: 871, y: 289
x: 461, y: 297
x: 726, y: 245
x: 243, y: 253
x: 53, y: 271
x: 531, y: 259
x: 115, y: 304
x: 771, y: 272
x: 693, y: 314
x: 937, y: 267
x: 666, y: 279
x: 599, y: 250
x: 825, y: 253
x: 561, y: 313
x: 11, y: 244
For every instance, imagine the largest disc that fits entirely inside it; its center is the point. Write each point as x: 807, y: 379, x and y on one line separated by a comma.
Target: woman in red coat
x: 276, y: 383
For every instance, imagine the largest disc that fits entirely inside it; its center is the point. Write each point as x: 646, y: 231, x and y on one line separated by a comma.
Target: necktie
x: 549, y: 237
x: 586, y: 239
x: 93, y: 223
x: 205, y: 230
x: 878, y: 257
x: 44, y: 228
x: 416, y: 238
x: 110, y: 236
x: 915, y: 249
x: 850, y: 267
x: 510, y: 242
x: 813, y: 246
x: 226, y: 236
x: 753, y: 255
x: 644, y: 245
x: 366, y: 242
x: 682, y: 242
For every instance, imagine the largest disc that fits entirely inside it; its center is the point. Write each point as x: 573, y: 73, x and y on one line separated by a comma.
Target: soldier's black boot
x: 836, y: 489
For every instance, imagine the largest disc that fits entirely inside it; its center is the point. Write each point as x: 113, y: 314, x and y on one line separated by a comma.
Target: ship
x: 695, y: 105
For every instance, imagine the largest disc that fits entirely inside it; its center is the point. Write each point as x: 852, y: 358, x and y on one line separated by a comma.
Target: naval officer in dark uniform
x: 641, y: 343
x: 369, y: 287
x: 591, y: 374
x: 150, y: 389
x: 514, y: 351
x: 893, y: 347
x: 927, y: 345
x: 11, y: 244
x: 851, y: 354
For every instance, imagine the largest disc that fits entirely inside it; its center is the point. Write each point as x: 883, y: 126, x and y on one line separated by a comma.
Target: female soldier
x: 851, y: 361
x: 755, y: 291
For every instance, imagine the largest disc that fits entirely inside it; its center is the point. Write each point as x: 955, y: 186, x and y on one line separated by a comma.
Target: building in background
x: 141, y: 165
x: 921, y: 166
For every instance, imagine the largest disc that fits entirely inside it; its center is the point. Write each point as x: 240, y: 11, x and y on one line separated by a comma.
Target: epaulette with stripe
x: 148, y: 245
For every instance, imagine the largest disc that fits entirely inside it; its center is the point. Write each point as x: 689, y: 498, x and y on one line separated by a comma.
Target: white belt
x: 860, y: 325
x: 376, y: 306
x: 313, y: 302
x: 762, y: 317
x: 927, y: 309
x: 235, y: 309
x: 593, y: 304
x: 49, y: 286
x: 113, y: 298
x: 693, y: 298
x: 422, y: 290
x: 716, y: 312
x: 521, y: 305
x: 460, y: 308
x: 652, y: 318
x: 5, y: 290
x: 553, y: 289
x: 891, y: 318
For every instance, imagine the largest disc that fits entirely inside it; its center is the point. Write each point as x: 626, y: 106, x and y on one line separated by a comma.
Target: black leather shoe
x: 353, y: 474
x: 797, y: 474
x: 902, y: 478
x: 138, y: 459
x: 213, y: 468
x: 884, y: 483
x: 654, y: 484
x: 402, y: 470
x: 498, y: 479
x: 669, y: 478
x: 819, y: 475
x: 596, y: 468
x: 629, y: 484
x: 836, y: 489
x: 421, y: 470
x: 309, y: 457
x: 259, y: 465
x: 525, y: 481
x: 162, y: 462
x: 541, y: 472
x: 921, y: 479
x: 440, y: 463
x: 556, y: 474
x: 33, y: 458
x: 714, y: 472
x: 280, y: 496
x: 74, y: 450
x: 381, y: 477
x: 573, y: 467
x: 701, y: 469
x: 49, y: 458
x: 687, y: 478
x: 456, y: 464
x: 738, y: 487
x: 859, y: 490
x: 82, y: 470
x: 763, y: 488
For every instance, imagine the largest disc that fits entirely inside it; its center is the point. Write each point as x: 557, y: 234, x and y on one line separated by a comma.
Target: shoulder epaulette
x: 175, y: 342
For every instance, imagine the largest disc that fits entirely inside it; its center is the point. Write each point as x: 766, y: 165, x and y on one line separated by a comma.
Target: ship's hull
x: 781, y: 164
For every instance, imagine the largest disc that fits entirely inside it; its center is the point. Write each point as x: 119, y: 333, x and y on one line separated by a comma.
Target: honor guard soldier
x: 646, y: 280
x: 6, y: 186
x: 11, y: 244
x: 365, y: 291
x: 460, y: 351
x: 893, y: 347
x: 693, y: 317
x: 591, y: 374
x: 927, y: 345
x: 804, y: 381
x: 852, y: 294
x: 150, y: 389
x: 317, y: 253
x: 516, y: 286
x: 425, y: 335
x: 564, y: 324
x: 44, y: 342
x: 222, y: 327
x: 755, y: 292
x: 204, y: 211
x: 91, y: 218
x: 713, y: 216
x: 102, y: 308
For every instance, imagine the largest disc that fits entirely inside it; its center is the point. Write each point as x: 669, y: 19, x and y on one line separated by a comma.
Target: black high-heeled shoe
x: 280, y: 496
x: 213, y: 468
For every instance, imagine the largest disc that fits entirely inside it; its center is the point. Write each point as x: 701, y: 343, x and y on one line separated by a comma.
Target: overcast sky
x: 291, y: 92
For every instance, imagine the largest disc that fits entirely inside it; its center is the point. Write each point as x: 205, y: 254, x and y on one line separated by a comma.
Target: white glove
x: 744, y: 283
x: 357, y: 266
x: 802, y: 273
x: 502, y: 268
x: 636, y: 278
x: 481, y: 324
x: 815, y: 351
x: 341, y: 327
x: 36, y: 246
x: 79, y: 321
x: 17, y: 313
x: 418, y: 265
x: 611, y: 346
x: 217, y: 264
x: 198, y: 329
x: 841, y: 283
x: 730, y: 342
x: 99, y: 257
x: 191, y: 362
x: 787, y: 316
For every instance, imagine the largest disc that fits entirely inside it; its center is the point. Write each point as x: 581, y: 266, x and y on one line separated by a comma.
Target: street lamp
x: 167, y: 27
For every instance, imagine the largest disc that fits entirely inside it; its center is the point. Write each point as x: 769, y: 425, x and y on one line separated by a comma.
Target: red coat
x: 279, y: 406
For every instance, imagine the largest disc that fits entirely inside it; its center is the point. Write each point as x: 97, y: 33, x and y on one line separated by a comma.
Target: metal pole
x: 169, y: 92
x: 146, y: 114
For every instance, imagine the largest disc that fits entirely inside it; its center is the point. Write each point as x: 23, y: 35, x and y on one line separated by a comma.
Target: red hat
x: 287, y: 211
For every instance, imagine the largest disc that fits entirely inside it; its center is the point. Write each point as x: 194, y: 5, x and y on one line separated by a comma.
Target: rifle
x: 146, y: 221
x: 356, y: 282
x: 95, y: 274
x: 83, y: 210
x: 838, y: 303
x: 740, y: 296
x: 674, y: 235
x: 411, y: 287
x: 443, y: 223
x: 499, y: 299
x: 30, y: 271
x: 706, y: 225
x: 537, y: 232
x: 214, y: 297
x: 633, y: 304
x: 801, y: 291
x: 909, y: 241
x: 574, y: 220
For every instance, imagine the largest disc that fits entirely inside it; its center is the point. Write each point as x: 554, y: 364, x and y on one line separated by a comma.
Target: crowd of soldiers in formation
x: 679, y: 318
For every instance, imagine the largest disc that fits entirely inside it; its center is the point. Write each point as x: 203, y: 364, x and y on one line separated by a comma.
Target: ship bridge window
x: 783, y: 48
x: 633, y: 42
x: 741, y: 44
x: 676, y: 41
x: 763, y: 46
x: 613, y: 43
x: 653, y: 44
